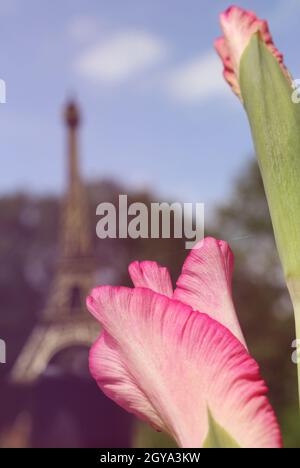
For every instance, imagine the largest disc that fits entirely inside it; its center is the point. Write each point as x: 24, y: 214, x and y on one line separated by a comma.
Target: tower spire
x: 75, y: 238
x: 72, y: 120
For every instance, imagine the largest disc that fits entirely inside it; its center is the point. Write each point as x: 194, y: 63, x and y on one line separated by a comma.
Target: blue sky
x: 156, y: 111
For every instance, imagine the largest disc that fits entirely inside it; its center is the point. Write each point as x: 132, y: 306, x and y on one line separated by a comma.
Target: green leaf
x: 275, y: 124
x: 217, y: 437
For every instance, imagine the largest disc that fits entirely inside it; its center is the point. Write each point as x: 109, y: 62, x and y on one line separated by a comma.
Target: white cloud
x: 121, y: 57
x: 197, y: 80
x: 83, y: 28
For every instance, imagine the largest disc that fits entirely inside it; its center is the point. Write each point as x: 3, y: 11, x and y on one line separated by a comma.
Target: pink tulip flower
x: 238, y: 27
x: 173, y: 357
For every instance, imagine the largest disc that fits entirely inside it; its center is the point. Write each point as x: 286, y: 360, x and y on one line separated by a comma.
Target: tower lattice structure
x: 65, y: 321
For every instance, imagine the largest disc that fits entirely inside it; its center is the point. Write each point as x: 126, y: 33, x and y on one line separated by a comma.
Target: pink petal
x: 205, y: 283
x: 238, y: 27
x: 151, y: 275
x: 163, y: 361
x: 117, y: 383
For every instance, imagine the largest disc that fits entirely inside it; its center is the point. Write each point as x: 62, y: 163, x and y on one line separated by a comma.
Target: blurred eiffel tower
x: 65, y: 322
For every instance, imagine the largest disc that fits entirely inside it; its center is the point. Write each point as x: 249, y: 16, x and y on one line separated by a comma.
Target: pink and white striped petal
x: 151, y: 275
x: 168, y: 364
x: 238, y: 26
x: 205, y: 283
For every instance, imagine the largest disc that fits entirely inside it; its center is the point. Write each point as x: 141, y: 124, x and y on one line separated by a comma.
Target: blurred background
x: 108, y: 98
